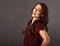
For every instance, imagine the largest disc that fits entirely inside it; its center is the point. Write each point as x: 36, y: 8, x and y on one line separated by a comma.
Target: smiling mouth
x: 34, y: 13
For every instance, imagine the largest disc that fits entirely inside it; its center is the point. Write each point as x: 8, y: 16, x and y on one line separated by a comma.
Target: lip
x: 34, y: 13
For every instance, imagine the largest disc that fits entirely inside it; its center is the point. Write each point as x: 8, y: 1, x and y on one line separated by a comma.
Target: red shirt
x: 36, y: 39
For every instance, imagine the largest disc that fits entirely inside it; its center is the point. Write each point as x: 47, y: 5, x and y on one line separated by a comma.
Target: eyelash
x: 37, y: 9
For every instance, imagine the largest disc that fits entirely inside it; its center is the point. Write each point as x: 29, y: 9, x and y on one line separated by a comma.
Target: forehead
x: 38, y: 6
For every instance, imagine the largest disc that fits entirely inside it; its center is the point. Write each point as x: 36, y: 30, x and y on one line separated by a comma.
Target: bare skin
x: 35, y: 14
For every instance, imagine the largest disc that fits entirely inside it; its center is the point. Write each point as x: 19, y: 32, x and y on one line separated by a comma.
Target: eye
x: 37, y: 10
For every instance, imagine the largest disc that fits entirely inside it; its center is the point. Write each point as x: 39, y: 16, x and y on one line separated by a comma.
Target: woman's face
x: 37, y: 11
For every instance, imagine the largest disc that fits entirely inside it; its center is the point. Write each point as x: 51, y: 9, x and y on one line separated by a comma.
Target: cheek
x: 38, y: 13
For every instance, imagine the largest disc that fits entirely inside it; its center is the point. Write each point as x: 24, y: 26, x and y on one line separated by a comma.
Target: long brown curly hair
x: 44, y: 19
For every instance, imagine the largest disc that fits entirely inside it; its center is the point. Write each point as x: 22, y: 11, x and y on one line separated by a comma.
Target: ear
x: 42, y: 15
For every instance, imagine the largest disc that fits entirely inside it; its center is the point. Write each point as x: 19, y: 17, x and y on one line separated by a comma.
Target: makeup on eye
x: 37, y: 9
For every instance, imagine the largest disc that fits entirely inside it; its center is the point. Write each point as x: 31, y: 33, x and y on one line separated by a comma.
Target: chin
x: 33, y: 16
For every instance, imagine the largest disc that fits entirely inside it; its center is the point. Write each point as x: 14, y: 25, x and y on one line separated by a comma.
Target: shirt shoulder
x: 39, y: 26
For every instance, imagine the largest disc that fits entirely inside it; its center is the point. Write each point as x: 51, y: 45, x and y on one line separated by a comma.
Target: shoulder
x: 39, y: 24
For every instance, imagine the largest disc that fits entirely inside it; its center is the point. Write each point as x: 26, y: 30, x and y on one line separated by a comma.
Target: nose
x: 35, y: 10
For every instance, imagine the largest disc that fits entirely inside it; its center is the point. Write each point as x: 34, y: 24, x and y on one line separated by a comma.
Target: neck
x: 34, y: 19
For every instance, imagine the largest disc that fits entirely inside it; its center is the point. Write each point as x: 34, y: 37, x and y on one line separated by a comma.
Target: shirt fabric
x: 36, y: 39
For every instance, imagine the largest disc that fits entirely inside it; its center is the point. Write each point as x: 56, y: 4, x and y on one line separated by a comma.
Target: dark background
x: 14, y: 15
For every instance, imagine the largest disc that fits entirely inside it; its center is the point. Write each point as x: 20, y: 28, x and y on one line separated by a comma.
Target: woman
x: 36, y: 31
